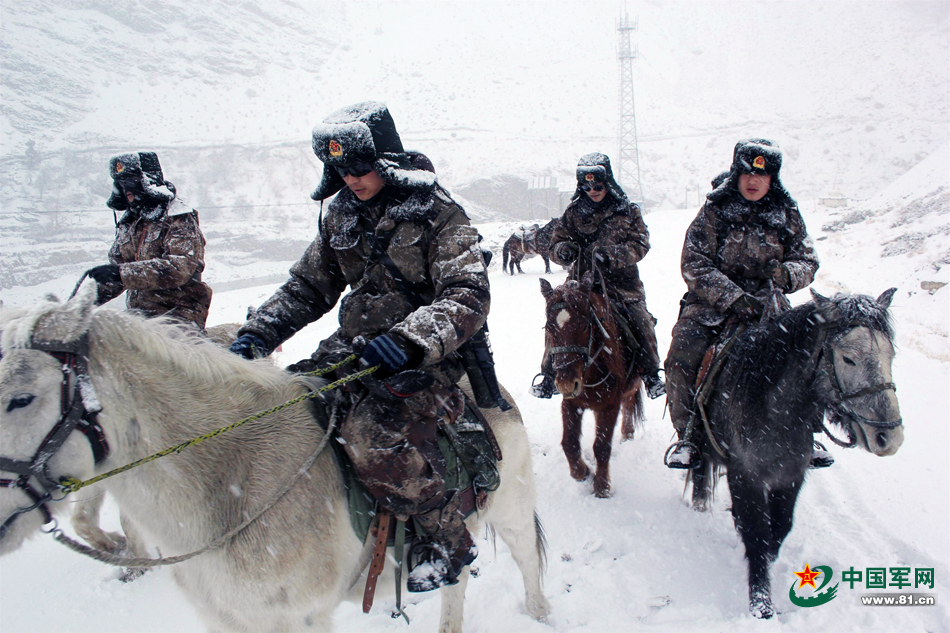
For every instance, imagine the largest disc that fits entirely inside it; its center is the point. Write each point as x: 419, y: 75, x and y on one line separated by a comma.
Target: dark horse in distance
x: 526, y: 243
x: 593, y: 370
x: 827, y: 358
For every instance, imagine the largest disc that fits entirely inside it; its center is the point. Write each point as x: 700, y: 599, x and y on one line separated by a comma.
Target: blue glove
x: 249, y: 346
x: 385, y: 351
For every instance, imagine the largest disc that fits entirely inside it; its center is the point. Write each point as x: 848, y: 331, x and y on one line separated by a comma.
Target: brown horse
x: 524, y: 244
x: 593, y: 370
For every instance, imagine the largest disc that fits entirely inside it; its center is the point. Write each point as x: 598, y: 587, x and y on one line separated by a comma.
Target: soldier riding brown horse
x: 602, y: 230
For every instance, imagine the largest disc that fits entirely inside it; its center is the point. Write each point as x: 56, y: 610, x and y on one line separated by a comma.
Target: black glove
x: 779, y: 275
x: 747, y: 307
x: 391, y: 351
x: 567, y: 252
x: 105, y: 274
x: 249, y: 346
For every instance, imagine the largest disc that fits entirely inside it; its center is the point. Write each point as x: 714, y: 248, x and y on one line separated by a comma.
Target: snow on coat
x: 160, y: 254
x: 729, y: 247
x: 435, y: 249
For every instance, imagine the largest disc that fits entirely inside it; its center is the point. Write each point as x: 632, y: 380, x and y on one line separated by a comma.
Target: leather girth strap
x: 379, y: 559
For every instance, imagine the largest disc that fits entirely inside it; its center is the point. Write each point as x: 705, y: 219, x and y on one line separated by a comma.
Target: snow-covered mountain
x: 227, y: 91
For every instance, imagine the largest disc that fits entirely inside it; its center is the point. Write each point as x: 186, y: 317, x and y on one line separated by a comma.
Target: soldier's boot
x: 683, y: 454
x: 543, y: 389
x: 654, y: 384
x: 438, y: 559
x: 820, y: 457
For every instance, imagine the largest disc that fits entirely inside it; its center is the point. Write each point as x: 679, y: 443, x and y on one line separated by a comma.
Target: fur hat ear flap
x: 117, y: 201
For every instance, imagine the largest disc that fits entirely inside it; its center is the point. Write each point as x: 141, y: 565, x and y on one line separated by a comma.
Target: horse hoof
x: 602, y: 493
x: 581, y: 473
x: 761, y: 608
x: 132, y: 573
x: 626, y: 437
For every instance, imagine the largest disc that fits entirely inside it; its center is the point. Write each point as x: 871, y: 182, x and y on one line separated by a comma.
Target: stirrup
x: 545, y: 388
x: 820, y: 457
x: 655, y: 386
x: 695, y: 458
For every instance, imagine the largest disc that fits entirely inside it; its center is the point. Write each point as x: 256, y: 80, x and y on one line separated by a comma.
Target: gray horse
x: 159, y: 386
x: 827, y: 358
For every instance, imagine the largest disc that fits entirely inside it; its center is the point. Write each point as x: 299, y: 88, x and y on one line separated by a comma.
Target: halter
x: 839, y: 403
x: 77, y: 412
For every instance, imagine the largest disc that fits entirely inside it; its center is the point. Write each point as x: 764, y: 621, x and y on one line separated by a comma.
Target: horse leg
x: 603, y: 443
x: 702, y: 479
x: 453, y: 603
x: 134, y: 547
x: 571, y: 439
x: 547, y: 263
x: 85, y: 521
x: 527, y: 545
x: 520, y: 272
x: 750, y: 510
x: 781, y: 510
x: 631, y: 411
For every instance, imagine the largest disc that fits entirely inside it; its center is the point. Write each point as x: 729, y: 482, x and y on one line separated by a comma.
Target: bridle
x: 840, y: 397
x: 79, y: 407
x: 585, y: 353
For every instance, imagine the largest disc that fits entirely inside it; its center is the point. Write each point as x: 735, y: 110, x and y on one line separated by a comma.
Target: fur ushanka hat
x: 364, y: 132
x: 153, y: 181
x: 752, y: 156
x: 595, y: 167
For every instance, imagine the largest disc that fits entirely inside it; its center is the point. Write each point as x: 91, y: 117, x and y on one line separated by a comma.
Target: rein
x: 585, y: 352
x: 78, y: 413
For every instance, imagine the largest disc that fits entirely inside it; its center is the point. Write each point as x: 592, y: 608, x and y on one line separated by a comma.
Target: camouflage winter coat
x: 728, y: 249
x: 442, y: 300
x: 617, y: 230
x: 160, y: 254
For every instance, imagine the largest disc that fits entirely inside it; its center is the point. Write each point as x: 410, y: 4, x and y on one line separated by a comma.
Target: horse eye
x: 847, y: 360
x: 19, y: 401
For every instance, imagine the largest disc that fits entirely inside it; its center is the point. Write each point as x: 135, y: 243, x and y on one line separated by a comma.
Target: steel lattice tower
x: 629, y: 167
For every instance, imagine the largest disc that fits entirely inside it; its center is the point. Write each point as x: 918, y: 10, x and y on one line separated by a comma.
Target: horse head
x: 856, y: 370
x: 42, y: 399
x: 570, y: 335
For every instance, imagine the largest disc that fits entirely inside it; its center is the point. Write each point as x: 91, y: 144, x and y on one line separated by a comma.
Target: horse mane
x: 766, y: 351
x: 165, y: 342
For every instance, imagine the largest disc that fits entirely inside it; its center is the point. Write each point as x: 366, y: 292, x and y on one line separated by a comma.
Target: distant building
x: 833, y: 199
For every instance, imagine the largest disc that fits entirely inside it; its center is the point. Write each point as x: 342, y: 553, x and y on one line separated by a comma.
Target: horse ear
x: 546, y: 289
x: 819, y: 300
x: 72, y: 319
x: 886, y: 296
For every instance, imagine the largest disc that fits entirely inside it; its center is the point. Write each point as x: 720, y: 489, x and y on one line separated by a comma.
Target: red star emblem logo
x: 807, y: 577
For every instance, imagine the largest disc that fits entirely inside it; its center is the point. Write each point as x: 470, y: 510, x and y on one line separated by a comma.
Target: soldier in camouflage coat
x: 745, y: 250
x: 601, y: 229
x: 418, y: 291
x: 158, y: 253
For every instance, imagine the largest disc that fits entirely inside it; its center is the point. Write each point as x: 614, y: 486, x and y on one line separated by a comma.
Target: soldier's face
x: 596, y: 191
x: 131, y: 186
x: 753, y: 187
x: 366, y: 186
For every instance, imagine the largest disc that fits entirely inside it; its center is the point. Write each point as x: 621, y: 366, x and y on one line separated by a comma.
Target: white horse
x: 159, y: 386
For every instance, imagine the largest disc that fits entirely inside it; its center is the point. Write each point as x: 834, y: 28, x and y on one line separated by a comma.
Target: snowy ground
x: 641, y: 560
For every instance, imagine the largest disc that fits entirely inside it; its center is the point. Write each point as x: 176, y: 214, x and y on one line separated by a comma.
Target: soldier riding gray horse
x: 418, y: 292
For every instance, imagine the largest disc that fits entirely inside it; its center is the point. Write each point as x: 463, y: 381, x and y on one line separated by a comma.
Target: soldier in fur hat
x: 746, y: 249
x: 601, y: 229
x: 158, y: 253
x: 418, y: 290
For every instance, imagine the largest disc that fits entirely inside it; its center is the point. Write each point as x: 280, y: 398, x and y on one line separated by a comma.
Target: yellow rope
x: 72, y: 484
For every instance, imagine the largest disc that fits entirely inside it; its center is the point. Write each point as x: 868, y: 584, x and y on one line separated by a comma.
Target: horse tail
x: 541, y: 543
x: 504, y: 255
